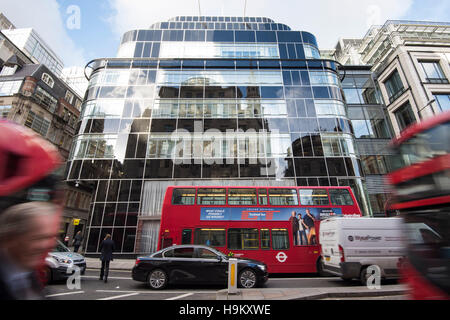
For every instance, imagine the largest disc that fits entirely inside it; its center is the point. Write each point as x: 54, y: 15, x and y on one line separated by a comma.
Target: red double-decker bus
x: 276, y: 225
x: 421, y: 181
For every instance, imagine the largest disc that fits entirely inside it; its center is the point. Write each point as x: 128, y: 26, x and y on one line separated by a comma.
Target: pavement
x: 117, y: 264
x: 391, y: 290
x: 313, y: 293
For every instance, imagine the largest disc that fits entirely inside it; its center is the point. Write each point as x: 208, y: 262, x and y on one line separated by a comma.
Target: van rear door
x: 329, y: 241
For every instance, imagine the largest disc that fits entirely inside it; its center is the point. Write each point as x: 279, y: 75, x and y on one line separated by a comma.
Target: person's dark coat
x: 107, y: 248
x: 294, y: 222
x: 77, y: 240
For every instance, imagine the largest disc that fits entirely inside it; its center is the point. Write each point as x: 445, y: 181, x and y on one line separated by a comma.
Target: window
x: 180, y: 253
x: 265, y: 239
x: 262, y: 193
x: 243, y: 239
x: 330, y: 108
x: 48, y: 80
x: 311, y: 52
x: 280, y: 239
x: 218, y: 50
x: 210, y: 237
x: 78, y: 104
x: 323, y: 78
x: 46, y: 99
x: 340, y: 197
x: 69, y: 97
x: 8, y: 88
x: 394, y: 86
x: 242, y: 197
x: 433, y: 72
x: 314, y: 197
x: 37, y: 123
x: 211, y: 196
x: 443, y: 101
x: 337, y: 145
x: 197, y: 78
x: 206, y: 254
x: 405, y: 116
x: 283, y: 197
x: 8, y: 71
x: 4, y: 110
x: 183, y: 196
x: 353, y: 96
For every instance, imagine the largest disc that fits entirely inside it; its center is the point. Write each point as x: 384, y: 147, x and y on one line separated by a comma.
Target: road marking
x: 318, y: 278
x: 63, y: 294
x: 117, y: 278
x: 158, y: 292
x: 182, y: 296
x: 121, y: 296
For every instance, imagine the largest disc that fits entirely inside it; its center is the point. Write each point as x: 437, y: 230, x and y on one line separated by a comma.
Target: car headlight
x: 63, y: 260
x: 262, y: 267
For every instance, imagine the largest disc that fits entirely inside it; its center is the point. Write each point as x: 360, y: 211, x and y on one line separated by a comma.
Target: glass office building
x: 372, y: 130
x: 207, y: 101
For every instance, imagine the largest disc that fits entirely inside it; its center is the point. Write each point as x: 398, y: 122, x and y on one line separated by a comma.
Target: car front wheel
x: 247, y: 279
x: 157, y: 279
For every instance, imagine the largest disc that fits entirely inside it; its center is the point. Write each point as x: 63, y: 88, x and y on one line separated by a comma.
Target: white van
x: 350, y: 245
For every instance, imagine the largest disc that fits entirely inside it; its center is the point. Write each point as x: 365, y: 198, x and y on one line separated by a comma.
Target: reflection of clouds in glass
x: 217, y: 50
x: 223, y: 77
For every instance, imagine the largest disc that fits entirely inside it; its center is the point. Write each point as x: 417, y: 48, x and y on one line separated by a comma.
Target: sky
x: 81, y: 30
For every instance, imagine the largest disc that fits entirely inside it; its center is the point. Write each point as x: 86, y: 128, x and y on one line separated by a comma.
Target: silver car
x: 61, y: 263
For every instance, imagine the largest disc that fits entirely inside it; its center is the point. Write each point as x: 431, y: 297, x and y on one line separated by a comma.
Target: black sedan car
x: 195, y: 264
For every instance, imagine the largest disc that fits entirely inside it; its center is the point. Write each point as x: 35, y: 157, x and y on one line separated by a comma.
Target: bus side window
x: 265, y: 238
x: 340, y: 197
x: 183, y: 196
x: 262, y: 197
x: 186, y: 236
x: 210, y: 237
x: 280, y: 239
x: 211, y: 196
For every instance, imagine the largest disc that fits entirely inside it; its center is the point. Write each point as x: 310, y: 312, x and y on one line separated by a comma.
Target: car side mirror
x: 219, y: 258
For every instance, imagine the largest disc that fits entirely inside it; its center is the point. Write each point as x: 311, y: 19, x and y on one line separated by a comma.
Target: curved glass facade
x: 249, y: 105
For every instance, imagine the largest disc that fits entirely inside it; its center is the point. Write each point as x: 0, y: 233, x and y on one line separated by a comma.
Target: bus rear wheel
x: 319, y: 266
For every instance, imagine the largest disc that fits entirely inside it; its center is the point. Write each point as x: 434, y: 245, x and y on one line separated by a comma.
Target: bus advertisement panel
x: 266, y: 214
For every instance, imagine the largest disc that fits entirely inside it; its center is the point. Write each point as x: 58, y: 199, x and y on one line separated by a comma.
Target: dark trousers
x: 105, y: 270
x: 75, y: 248
x: 295, y: 234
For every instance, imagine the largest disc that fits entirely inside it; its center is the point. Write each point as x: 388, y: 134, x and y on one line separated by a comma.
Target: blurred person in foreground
x: 28, y: 232
x: 30, y: 210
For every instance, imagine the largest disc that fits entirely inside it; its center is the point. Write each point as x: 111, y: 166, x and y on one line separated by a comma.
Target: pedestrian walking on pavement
x: 66, y: 240
x: 106, y: 248
x: 77, y: 241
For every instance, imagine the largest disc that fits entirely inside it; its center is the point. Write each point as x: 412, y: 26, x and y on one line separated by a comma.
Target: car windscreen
x: 60, y: 247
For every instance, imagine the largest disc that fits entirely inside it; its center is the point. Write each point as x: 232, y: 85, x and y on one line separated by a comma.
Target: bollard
x: 232, y: 276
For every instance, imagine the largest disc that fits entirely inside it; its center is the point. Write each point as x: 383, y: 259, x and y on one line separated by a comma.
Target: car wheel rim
x: 248, y: 279
x: 157, y: 279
